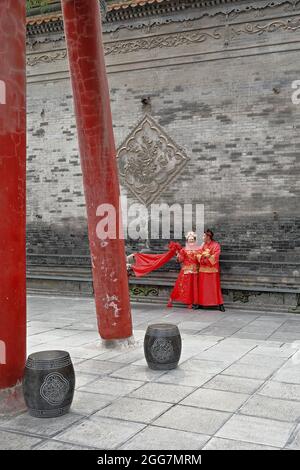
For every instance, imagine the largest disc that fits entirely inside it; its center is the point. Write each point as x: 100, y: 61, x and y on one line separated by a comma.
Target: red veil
x: 145, y: 263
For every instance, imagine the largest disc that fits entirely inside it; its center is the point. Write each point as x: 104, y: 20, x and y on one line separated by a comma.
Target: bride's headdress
x: 193, y: 234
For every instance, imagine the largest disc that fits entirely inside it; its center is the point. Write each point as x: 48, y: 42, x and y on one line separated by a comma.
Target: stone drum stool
x: 162, y: 346
x: 49, y: 383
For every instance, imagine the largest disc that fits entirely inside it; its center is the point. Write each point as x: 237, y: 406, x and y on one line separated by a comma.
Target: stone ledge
x: 239, y: 276
x: 157, y: 290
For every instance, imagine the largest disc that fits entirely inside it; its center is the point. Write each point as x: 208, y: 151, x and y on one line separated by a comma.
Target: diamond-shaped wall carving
x: 149, y: 160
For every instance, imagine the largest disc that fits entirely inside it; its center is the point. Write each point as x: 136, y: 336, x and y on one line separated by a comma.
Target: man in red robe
x: 210, y: 293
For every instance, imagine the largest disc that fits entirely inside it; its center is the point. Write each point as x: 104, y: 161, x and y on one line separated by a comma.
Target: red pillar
x: 12, y: 192
x: 98, y: 162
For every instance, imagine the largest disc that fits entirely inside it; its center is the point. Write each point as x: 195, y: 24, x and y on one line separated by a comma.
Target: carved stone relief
x: 291, y: 24
x: 46, y: 58
x: 162, y: 41
x: 227, y: 34
x: 143, y: 291
x: 149, y: 160
x: 199, y: 36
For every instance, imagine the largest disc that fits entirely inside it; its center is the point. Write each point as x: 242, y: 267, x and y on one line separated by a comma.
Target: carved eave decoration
x: 149, y: 160
x: 136, y: 12
x: 44, y: 24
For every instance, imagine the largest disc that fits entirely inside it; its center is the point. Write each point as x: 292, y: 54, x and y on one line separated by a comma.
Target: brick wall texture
x: 222, y: 93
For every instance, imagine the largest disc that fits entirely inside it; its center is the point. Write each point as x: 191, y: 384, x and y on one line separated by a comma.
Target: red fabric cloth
x: 209, y: 290
x: 191, y: 287
x: 145, y: 263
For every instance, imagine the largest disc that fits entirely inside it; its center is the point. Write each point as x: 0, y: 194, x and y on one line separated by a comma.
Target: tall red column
x: 98, y: 162
x: 12, y: 192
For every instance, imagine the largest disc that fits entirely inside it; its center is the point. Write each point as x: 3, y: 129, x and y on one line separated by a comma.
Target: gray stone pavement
x: 237, y: 386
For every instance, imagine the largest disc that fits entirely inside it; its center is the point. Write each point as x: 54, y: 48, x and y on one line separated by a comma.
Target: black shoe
x: 222, y: 308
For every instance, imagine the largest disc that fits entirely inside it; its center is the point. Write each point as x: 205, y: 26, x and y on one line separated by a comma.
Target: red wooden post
x: 98, y: 162
x: 12, y: 192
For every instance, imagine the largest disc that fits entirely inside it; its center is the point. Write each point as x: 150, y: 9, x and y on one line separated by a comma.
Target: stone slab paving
x: 168, y: 393
x: 257, y: 430
x: 156, y: 438
x: 192, y: 419
x: 237, y: 386
x: 100, y: 432
x: 8, y: 441
x: 217, y: 443
x: 216, y: 400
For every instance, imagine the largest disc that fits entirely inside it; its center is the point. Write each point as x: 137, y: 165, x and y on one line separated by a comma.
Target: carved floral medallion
x: 162, y: 350
x: 55, y: 388
x: 149, y: 160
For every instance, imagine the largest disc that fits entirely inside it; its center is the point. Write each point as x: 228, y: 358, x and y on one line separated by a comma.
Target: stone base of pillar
x: 126, y: 343
x: 12, y: 401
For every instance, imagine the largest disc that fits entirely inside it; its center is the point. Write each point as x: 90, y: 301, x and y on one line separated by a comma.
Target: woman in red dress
x: 210, y: 293
x: 186, y: 286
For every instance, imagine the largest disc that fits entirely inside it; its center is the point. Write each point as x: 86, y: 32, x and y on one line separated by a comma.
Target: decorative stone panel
x: 149, y: 160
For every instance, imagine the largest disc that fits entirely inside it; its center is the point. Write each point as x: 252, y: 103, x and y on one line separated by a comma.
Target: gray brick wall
x: 227, y: 105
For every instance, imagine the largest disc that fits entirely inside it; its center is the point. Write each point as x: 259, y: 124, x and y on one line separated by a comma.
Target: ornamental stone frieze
x: 46, y: 58
x: 149, y: 160
x: 290, y: 24
x: 226, y: 35
x: 162, y: 41
x: 162, y: 12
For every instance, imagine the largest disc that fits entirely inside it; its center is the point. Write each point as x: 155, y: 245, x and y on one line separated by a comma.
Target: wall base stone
x: 156, y: 289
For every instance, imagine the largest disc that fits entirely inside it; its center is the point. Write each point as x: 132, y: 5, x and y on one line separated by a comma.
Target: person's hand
x: 206, y: 254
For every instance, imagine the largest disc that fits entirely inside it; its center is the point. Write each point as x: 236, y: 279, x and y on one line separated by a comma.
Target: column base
x: 119, y: 343
x: 12, y: 401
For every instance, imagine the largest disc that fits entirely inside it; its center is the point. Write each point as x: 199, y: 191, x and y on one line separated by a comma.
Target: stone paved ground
x: 237, y: 386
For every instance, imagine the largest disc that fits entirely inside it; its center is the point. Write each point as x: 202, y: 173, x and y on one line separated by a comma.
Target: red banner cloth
x: 145, y: 263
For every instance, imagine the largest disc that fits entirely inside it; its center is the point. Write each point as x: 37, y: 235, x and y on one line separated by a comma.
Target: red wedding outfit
x: 199, y: 278
x: 210, y: 293
x: 186, y: 286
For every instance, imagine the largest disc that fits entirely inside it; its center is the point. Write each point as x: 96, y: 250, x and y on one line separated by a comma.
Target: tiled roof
x: 131, y: 3
x: 113, y: 6
x: 52, y: 21
x: 46, y: 18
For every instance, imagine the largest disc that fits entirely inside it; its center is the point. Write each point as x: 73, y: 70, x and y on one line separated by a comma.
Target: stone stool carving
x: 49, y: 383
x: 162, y: 346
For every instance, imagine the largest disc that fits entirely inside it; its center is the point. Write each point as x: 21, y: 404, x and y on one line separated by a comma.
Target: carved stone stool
x: 49, y: 383
x: 162, y: 346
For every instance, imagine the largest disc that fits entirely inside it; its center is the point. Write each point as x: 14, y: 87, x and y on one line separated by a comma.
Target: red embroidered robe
x: 209, y: 286
x: 186, y: 286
